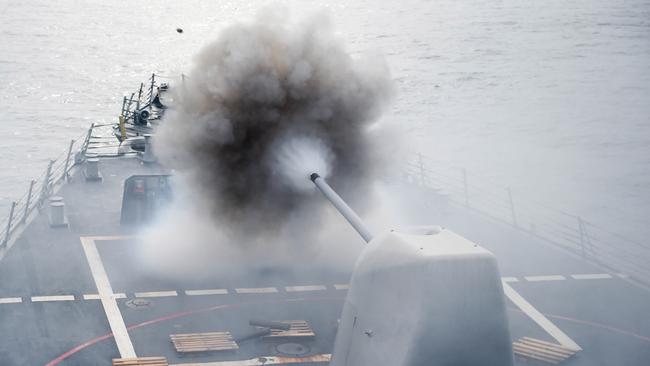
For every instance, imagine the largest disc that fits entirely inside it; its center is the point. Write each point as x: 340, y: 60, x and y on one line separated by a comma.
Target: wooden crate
x: 203, y: 342
x: 542, y: 351
x: 141, y: 361
x: 298, y: 329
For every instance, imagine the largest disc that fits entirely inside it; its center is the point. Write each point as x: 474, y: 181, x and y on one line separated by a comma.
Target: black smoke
x: 255, y: 91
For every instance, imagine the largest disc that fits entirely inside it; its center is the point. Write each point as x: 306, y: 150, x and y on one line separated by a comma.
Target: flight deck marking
x: 595, y: 276
x: 156, y: 294
x: 115, y: 320
x: 509, y: 279
x: 52, y: 298
x: 221, y: 291
x: 11, y: 300
x: 97, y: 297
x: 256, y: 290
x: 268, y: 290
x: 545, y: 278
x: 539, y: 318
x: 305, y: 288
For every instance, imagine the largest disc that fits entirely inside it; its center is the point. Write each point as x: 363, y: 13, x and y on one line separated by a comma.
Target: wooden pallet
x: 142, y: 361
x: 298, y: 329
x: 543, y: 351
x: 203, y: 342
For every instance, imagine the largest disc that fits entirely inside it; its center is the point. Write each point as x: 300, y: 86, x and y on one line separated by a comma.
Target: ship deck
x: 67, y: 294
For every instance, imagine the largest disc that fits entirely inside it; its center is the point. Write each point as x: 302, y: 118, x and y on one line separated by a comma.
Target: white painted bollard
x: 57, y: 214
x: 148, y: 156
x: 92, y: 169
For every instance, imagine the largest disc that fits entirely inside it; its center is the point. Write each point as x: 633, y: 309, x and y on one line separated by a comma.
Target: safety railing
x: 96, y: 141
x: 572, y: 232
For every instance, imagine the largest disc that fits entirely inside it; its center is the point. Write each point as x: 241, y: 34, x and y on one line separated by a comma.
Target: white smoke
x: 297, y: 158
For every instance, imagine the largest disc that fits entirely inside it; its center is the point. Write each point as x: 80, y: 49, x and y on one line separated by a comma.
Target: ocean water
x: 550, y: 98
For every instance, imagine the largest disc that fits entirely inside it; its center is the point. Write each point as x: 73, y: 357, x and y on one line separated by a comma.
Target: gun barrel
x: 341, y: 207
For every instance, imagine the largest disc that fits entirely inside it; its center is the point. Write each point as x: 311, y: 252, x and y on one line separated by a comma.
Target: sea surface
x: 550, y: 98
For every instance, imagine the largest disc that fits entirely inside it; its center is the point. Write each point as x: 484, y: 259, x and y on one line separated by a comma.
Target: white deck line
x: 11, y: 300
x: 545, y: 278
x: 156, y: 294
x: 539, y: 318
x: 305, y: 288
x: 509, y: 279
x: 115, y: 320
x: 53, y: 298
x: 256, y: 290
x: 221, y: 291
x: 97, y: 297
x: 594, y: 276
x: 342, y: 287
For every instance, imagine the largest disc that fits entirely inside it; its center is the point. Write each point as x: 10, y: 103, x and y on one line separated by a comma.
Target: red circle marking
x: 93, y: 341
x: 180, y: 314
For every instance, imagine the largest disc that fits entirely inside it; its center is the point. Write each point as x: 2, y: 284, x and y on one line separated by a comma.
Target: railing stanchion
x: 87, y: 141
x: 137, y: 104
x: 46, y: 184
x: 67, y: 162
x: 28, y: 201
x: 11, y: 216
x: 512, y: 208
x: 153, y: 78
x: 466, y: 189
x: 123, y: 105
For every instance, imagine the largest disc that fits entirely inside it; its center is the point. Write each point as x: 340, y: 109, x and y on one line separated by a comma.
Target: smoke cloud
x: 266, y: 104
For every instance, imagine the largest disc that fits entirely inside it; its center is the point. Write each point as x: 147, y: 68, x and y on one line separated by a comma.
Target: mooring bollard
x: 57, y: 213
x: 148, y: 156
x: 91, y: 172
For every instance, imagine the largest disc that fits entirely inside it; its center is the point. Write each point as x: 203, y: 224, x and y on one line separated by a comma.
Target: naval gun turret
x: 423, y: 296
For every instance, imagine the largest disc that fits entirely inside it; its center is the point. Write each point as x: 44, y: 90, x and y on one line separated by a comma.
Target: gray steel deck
x: 600, y: 311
